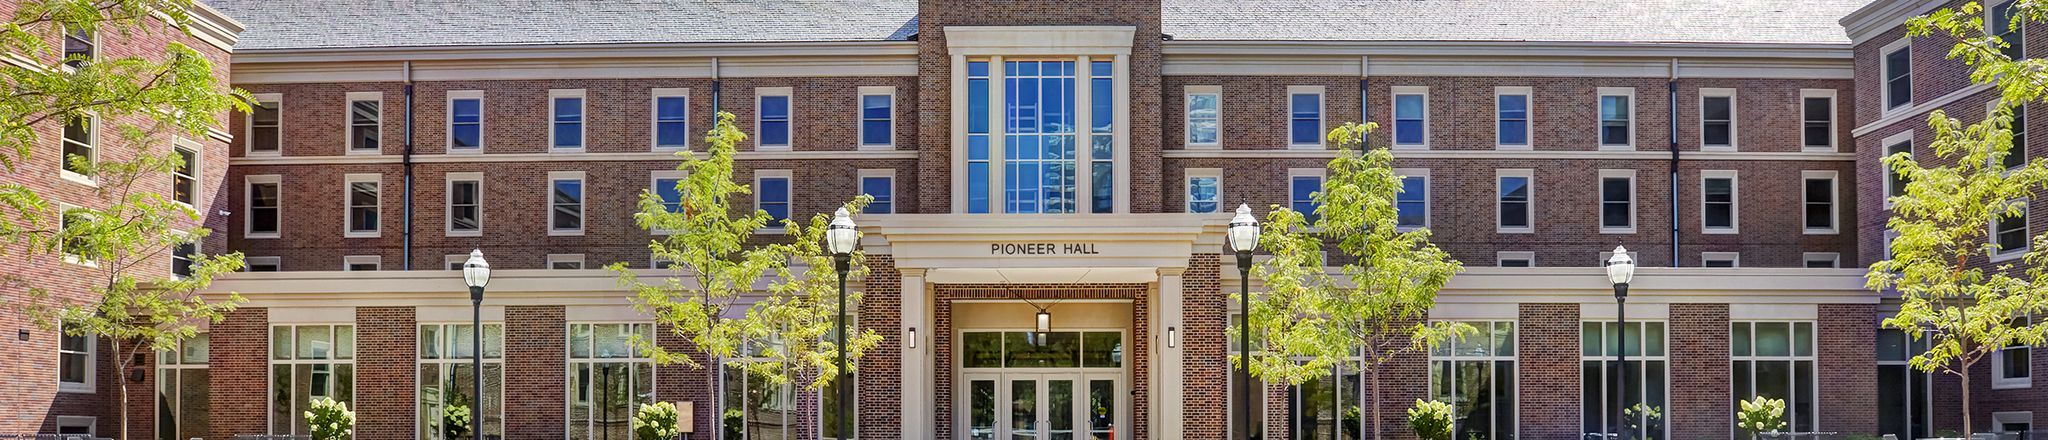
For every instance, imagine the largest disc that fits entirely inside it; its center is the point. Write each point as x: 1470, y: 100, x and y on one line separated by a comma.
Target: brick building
x: 1536, y: 136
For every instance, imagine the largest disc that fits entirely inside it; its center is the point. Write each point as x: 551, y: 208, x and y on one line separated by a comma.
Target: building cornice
x: 1568, y: 49
x: 214, y: 27
x: 358, y: 159
x: 1519, y: 155
x: 1883, y: 15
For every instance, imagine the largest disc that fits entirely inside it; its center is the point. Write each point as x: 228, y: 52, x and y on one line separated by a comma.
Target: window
x: 1511, y: 118
x: 263, y: 206
x: 759, y: 409
x: 880, y: 185
x: 183, y: 390
x: 1039, y: 153
x: 1617, y: 118
x: 671, y: 119
x: 877, y: 117
x: 1305, y: 117
x: 1617, y: 201
x: 362, y: 263
x: 1515, y: 200
x: 565, y: 203
x: 454, y: 261
x: 1719, y: 212
x: 1600, y: 344
x: 978, y: 138
x: 1898, y: 74
x: 81, y: 47
x: 1818, y: 190
x: 1776, y: 360
x: 466, y: 121
x: 75, y: 362
x: 1242, y: 383
x: 76, y: 424
x: 565, y: 261
x: 772, y: 195
x: 447, y: 381
x: 1319, y: 408
x: 1411, y: 206
x: 1515, y: 258
x: 2009, y: 233
x: 1102, y: 137
x: 1817, y: 113
x: 1204, y: 114
x: 75, y: 225
x: 309, y: 362
x: 1821, y: 260
x: 365, y: 116
x: 1895, y: 183
x: 2001, y: 24
x: 1302, y: 186
x: 1411, y: 117
x: 565, y: 110
x: 185, y: 176
x: 266, y: 124
x: 181, y: 258
x: 1476, y: 376
x: 465, y: 204
x: 2017, y: 156
x: 1048, y: 146
x: 830, y: 396
x: 1205, y: 190
x: 1717, y: 119
x: 2013, y: 421
x: 81, y: 148
x: 363, y: 196
x: 667, y: 185
x: 608, y: 379
x: 1720, y: 259
x: 2013, y: 366
x: 1903, y: 405
x: 772, y: 121
x: 261, y: 264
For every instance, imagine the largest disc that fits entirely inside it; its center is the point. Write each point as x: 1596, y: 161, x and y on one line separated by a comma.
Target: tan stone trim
x: 214, y: 27
x: 1917, y: 111
x: 1569, y: 49
x: 1040, y: 40
x: 1510, y: 64
x: 850, y: 49
x: 557, y: 157
x: 1515, y: 154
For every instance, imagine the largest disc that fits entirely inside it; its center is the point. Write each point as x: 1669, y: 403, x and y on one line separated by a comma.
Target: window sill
x: 1306, y: 147
x: 369, y: 234
x: 1719, y: 148
x: 1607, y: 230
x: 565, y: 233
x: 268, y: 236
x: 476, y: 233
x: 1209, y: 146
x: 254, y: 153
x: 1501, y: 230
x: 80, y: 261
x: 1617, y: 148
x: 1411, y: 147
x: 558, y: 150
x: 78, y: 178
x: 1896, y: 110
x: 355, y: 152
x: 476, y: 150
x: 1720, y: 231
x: 1506, y: 147
x: 2004, y: 256
x: 661, y: 149
x: 74, y: 387
x: 2012, y: 383
x: 771, y: 148
x: 776, y: 230
x: 883, y: 147
x: 1812, y: 149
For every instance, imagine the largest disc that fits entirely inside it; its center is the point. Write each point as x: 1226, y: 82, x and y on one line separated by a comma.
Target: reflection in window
x: 1039, y: 136
x: 182, y: 391
x: 609, y: 378
x: 1476, y: 376
x: 309, y: 362
x: 447, y: 378
x: 1903, y: 408
x: 1644, y: 379
x: 1775, y: 360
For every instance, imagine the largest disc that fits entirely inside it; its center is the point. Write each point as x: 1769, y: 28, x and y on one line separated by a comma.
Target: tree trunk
x: 1375, y: 409
x: 120, y: 377
x: 1964, y: 374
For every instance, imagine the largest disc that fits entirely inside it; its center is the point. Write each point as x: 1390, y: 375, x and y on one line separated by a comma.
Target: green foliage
x: 1760, y: 415
x: 1430, y: 419
x: 1951, y: 290
x: 1640, y: 414
x: 717, y: 258
x: 330, y: 420
x: 657, y: 421
x: 454, y: 421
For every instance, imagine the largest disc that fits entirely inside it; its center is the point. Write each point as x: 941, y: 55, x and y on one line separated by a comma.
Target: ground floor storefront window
x: 307, y: 363
x: 608, y: 379
x: 1642, y: 393
x: 182, y: 395
x: 448, y: 403
x: 1327, y: 407
x: 1477, y: 376
x: 1775, y: 360
x: 1903, y: 408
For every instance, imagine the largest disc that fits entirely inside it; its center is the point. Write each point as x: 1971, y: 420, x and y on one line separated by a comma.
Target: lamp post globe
x: 476, y: 273
x: 1244, y: 238
x: 841, y: 236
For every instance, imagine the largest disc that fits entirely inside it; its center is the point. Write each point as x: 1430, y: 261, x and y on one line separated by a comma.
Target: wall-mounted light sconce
x: 912, y: 339
x: 1172, y: 337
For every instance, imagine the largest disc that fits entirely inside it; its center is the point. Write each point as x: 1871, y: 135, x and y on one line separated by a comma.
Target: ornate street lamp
x: 476, y: 273
x: 1620, y: 269
x: 1244, y: 238
x: 840, y: 238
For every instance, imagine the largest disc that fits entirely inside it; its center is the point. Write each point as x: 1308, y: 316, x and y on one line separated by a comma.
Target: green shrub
x: 657, y: 421
x: 330, y: 420
x: 455, y: 421
x: 1430, y: 419
x: 1760, y: 415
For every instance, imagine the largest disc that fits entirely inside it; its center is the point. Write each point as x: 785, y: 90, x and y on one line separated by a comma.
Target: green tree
x: 1377, y: 307
x: 1951, y: 292
x: 716, y: 258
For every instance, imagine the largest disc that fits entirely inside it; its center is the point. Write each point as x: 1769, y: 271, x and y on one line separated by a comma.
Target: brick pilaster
x: 239, y: 369
x: 1547, y: 343
x: 1848, y: 376
x: 535, y: 372
x: 387, y: 363
x: 681, y: 383
x: 1701, y: 401
x: 880, y: 371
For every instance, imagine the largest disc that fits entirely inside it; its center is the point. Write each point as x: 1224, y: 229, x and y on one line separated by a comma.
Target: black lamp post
x: 476, y: 273
x: 1244, y: 237
x: 1621, y: 268
x: 840, y: 238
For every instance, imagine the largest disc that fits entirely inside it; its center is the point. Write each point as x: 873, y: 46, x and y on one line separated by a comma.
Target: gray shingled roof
x: 309, y: 24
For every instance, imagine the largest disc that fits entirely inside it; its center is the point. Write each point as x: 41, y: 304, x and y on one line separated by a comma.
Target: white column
x: 959, y: 112
x: 1166, y: 372
x: 1084, y: 129
x: 918, y: 401
x: 1122, y: 131
x: 998, y: 101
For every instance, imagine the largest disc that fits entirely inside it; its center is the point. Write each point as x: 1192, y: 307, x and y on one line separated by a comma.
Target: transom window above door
x: 1026, y: 349
x: 1041, y: 135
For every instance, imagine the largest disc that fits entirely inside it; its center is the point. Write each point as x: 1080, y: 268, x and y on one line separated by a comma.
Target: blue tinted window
x: 774, y: 120
x: 465, y: 119
x: 1301, y: 195
x: 1409, y: 119
x: 1412, y: 205
x: 671, y: 197
x: 671, y: 122
x: 1306, y: 118
x: 875, y: 120
x: 883, y: 189
x: 1514, y: 120
x: 1614, y: 120
x: 1202, y: 193
x: 568, y: 123
x: 774, y: 196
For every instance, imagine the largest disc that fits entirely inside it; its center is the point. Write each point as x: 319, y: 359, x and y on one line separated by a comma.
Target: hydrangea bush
x: 1431, y: 419
x: 331, y: 420
x: 657, y: 421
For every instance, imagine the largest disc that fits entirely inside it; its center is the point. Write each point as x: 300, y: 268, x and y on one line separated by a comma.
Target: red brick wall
x: 1205, y: 360
x: 881, y: 369
x: 535, y: 371
x: 1701, y: 403
x: 1547, y: 348
x: 680, y: 383
x: 387, y: 354
x: 239, y: 371
x: 1848, y: 376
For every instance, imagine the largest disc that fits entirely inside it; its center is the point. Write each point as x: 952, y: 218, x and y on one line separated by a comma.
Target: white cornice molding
x: 1510, y: 49
x: 1883, y: 15
x: 1040, y: 40
x: 1519, y: 154
x: 574, y: 68
x: 574, y: 51
x: 1347, y: 64
x: 562, y: 157
x: 214, y: 27
x: 1918, y: 112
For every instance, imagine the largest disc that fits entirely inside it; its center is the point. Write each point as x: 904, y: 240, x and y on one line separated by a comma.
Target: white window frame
x: 1188, y: 117
x: 267, y: 261
x: 1322, y: 181
x: 635, y: 356
x: 582, y: 202
x: 1528, y: 117
x: 90, y: 423
x: 1393, y: 116
x: 2000, y: 418
x: 773, y: 227
x: 92, y: 48
x: 1834, y: 206
x: 786, y: 93
x: 1834, y: 259
x: 348, y: 207
x: 1599, y: 194
x: 92, y: 361
x: 195, y: 168
x: 454, y: 261
x: 1404, y: 174
x: 654, y: 118
x: 448, y: 360
x: 248, y: 205
x: 1322, y: 116
x: 177, y: 254
x: 1529, y: 205
x: 1734, y: 119
x: 481, y: 131
x: 860, y: 184
x: 860, y: 115
x: 1884, y: 76
x: 654, y: 179
x: 1889, y: 236
x: 249, y: 126
x: 1998, y: 379
x: 1734, y: 201
x: 333, y: 359
x: 1734, y: 258
x: 348, y: 123
x: 1884, y: 172
x: 352, y: 260
x: 1834, y: 124
x: 1188, y: 183
x: 1990, y: 13
x: 62, y: 223
x: 1500, y: 258
x: 583, y: 121
x: 1599, y: 124
x: 92, y: 125
x: 1991, y: 236
x: 563, y: 258
x: 448, y: 204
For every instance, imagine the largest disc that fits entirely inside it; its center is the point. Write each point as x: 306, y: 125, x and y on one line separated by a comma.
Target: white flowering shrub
x: 331, y: 420
x: 657, y: 421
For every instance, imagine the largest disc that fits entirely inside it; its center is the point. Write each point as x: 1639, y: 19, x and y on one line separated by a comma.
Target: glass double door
x: 1044, y: 406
